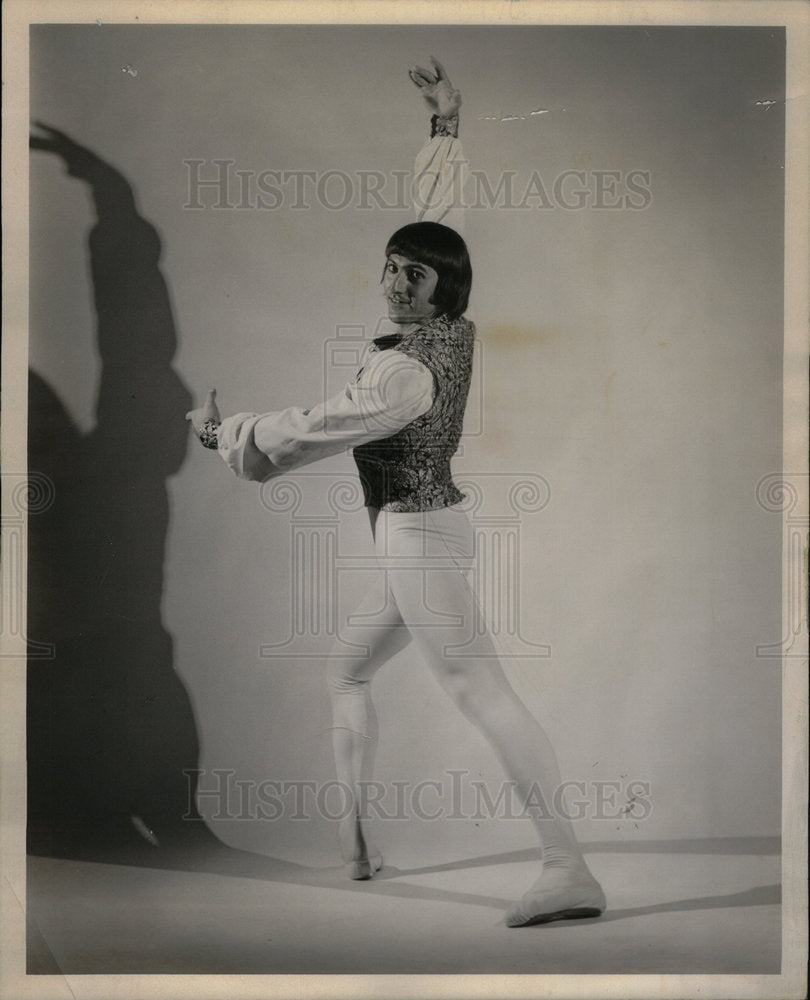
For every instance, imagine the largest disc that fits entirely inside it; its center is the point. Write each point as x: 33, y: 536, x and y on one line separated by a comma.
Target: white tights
x: 426, y: 597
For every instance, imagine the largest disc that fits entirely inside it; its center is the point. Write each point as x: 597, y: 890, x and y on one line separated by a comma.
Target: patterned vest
x: 410, y: 471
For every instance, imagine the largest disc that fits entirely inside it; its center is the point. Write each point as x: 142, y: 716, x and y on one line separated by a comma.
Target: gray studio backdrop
x: 629, y: 376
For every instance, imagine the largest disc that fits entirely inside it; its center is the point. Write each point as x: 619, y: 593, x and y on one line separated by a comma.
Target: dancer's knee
x: 463, y: 689
x: 341, y: 679
x: 474, y: 693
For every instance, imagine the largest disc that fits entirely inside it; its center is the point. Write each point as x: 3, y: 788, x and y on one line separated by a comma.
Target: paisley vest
x: 410, y: 471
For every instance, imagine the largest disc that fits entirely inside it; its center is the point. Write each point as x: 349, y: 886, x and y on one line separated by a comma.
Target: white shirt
x: 391, y: 391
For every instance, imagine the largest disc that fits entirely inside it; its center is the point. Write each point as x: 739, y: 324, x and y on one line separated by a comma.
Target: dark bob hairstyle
x: 445, y: 251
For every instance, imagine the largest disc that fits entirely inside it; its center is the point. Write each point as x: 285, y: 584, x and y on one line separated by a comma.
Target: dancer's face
x: 408, y: 287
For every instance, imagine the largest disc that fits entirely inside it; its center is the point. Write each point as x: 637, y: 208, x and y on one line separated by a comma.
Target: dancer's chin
x: 399, y: 313
x: 404, y: 316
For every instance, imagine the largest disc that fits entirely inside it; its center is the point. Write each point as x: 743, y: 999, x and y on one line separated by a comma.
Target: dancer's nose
x: 401, y: 283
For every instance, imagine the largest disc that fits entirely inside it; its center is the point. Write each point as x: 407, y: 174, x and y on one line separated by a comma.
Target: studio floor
x: 675, y: 907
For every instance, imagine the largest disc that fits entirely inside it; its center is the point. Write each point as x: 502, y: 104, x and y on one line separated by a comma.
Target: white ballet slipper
x: 558, y: 895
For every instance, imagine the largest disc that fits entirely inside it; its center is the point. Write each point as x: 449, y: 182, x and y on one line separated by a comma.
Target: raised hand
x: 437, y: 91
x: 209, y: 411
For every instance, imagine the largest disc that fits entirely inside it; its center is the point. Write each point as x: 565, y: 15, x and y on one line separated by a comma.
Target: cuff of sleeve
x: 444, y: 126
x: 208, y: 433
x: 238, y: 450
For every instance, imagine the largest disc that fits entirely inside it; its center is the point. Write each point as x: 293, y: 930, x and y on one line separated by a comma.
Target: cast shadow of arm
x: 140, y: 395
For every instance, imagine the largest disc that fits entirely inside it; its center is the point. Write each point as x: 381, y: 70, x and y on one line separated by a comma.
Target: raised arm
x: 440, y: 170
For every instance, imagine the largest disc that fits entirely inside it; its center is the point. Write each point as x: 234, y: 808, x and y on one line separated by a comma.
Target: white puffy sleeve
x: 440, y: 173
x: 391, y: 390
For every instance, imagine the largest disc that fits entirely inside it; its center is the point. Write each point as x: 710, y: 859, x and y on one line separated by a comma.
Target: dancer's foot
x: 559, y: 895
x: 364, y: 869
x: 360, y: 860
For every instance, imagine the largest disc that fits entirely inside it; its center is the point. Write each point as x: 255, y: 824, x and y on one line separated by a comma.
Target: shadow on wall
x: 110, y: 724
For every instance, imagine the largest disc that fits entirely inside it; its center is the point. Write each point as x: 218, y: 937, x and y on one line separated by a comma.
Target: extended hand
x: 208, y: 412
x: 436, y: 89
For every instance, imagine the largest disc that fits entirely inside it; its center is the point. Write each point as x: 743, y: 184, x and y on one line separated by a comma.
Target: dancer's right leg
x: 425, y: 554
x: 377, y: 629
